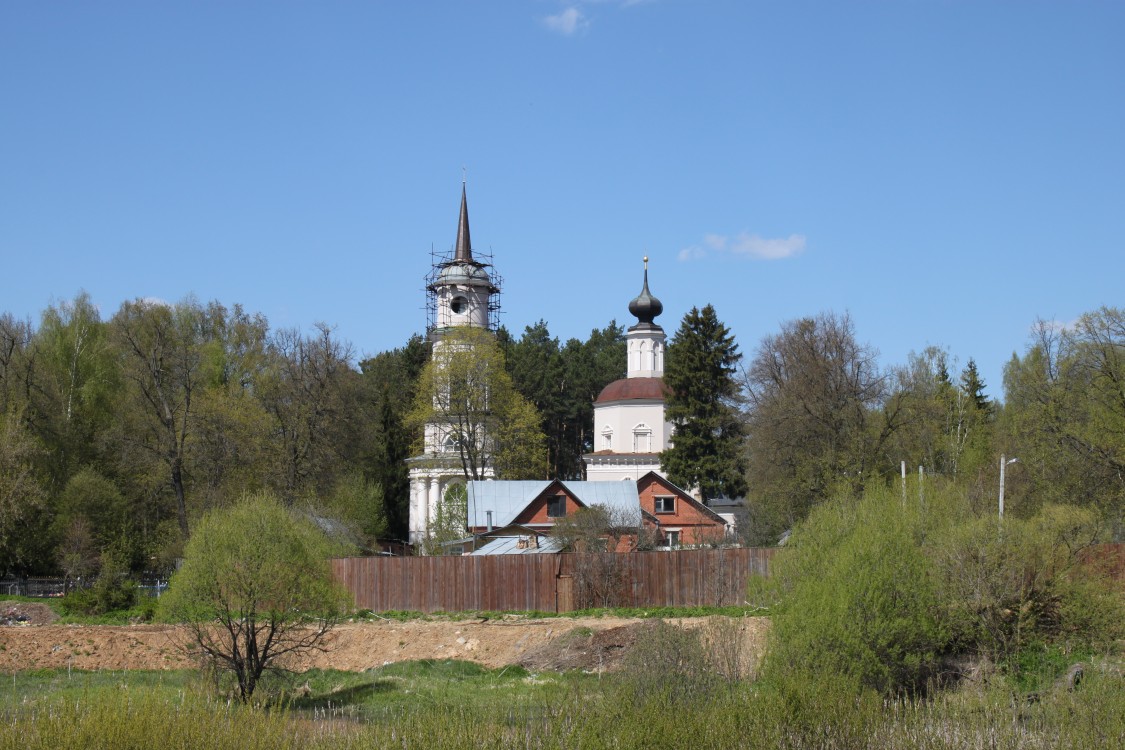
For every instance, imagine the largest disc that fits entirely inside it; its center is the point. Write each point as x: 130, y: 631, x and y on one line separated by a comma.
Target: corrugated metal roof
x: 506, y: 499
x: 510, y: 545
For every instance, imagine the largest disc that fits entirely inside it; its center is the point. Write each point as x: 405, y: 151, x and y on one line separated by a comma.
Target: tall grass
x: 590, y: 713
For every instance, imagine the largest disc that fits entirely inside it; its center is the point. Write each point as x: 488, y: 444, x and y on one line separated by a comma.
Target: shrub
x: 876, y: 590
x: 113, y: 590
x: 855, y: 599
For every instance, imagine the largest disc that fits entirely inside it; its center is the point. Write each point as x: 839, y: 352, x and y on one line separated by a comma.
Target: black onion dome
x: 646, y: 307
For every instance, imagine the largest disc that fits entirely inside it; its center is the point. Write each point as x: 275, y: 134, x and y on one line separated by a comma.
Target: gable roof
x: 504, y: 498
x: 507, y: 499
x: 683, y: 494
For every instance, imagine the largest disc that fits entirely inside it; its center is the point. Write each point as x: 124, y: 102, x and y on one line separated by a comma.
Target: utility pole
x: 904, y: 484
x: 1003, y: 463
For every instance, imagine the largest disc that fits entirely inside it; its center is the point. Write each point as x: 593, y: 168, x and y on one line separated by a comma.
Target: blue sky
x: 945, y: 171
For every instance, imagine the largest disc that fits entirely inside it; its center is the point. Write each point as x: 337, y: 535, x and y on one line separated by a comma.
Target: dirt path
x: 351, y: 646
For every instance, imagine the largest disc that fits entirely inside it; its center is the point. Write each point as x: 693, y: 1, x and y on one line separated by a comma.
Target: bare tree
x: 597, y: 535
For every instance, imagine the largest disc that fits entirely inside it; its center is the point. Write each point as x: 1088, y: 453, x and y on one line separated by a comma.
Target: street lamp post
x: 1003, y: 463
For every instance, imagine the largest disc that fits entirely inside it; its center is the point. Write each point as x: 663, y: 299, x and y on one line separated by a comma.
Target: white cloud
x: 763, y: 248
x: 567, y: 23
x: 747, y: 245
x: 692, y: 253
x: 572, y: 19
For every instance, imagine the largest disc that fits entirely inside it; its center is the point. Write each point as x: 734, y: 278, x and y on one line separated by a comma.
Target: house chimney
x: 488, y: 516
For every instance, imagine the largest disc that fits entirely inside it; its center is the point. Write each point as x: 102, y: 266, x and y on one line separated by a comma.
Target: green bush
x: 113, y: 590
x: 1020, y: 582
x: 877, y: 591
x: 854, y: 599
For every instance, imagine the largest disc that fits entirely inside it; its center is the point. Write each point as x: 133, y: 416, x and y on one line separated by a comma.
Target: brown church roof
x: 633, y: 389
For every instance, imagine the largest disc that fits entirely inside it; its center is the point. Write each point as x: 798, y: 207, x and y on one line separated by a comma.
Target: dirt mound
x: 26, y: 613
x: 585, y: 649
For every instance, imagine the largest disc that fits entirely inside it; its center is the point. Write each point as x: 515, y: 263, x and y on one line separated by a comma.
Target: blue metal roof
x: 510, y: 545
x: 506, y: 499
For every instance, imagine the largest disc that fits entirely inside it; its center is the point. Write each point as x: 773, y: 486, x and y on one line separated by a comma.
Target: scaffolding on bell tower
x: 439, y: 262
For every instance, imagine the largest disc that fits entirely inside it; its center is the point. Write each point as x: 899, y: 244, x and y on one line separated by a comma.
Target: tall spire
x: 464, y: 251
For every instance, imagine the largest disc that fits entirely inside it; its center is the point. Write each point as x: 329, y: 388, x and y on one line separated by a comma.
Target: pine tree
x: 973, y: 387
x: 707, y: 444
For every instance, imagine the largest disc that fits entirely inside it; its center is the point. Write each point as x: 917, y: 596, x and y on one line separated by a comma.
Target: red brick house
x: 677, y: 517
x: 664, y: 513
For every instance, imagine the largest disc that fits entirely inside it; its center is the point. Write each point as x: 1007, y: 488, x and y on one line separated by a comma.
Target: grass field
x: 451, y: 704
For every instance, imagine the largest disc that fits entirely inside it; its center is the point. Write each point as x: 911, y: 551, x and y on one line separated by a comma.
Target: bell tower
x: 462, y: 290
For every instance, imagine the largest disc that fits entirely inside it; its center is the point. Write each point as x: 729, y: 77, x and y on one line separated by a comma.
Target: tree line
x: 820, y: 418
x: 116, y: 435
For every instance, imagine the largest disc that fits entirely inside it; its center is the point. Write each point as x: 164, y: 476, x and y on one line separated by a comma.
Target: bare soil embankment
x: 555, y: 643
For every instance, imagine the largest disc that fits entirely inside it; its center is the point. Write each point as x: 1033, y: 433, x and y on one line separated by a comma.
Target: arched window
x: 607, y: 439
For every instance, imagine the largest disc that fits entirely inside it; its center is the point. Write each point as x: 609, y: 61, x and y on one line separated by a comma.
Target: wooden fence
x: 551, y: 583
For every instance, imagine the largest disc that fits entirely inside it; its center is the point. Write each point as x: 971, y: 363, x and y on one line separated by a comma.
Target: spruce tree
x: 699, y: 371
x: 973, y: 387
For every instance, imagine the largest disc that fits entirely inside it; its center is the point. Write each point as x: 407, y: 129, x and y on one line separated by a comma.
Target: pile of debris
x: 25, y: 613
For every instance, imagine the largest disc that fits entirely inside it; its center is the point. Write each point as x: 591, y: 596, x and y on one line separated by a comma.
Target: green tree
x: 360, y: 504
x: 466, y: 400
x: 233, y: 451
x: 818, y: 421
x: 17, y: 365
x: 590, y: 366
x: 450, y: 521
x: 160, y: 349
x: 707, y: 448
x: 79, y: 381
x: 92, y: 497
x: 314, y: 398
x: 538, y: 372
x: 390, y: 382
x: 22, y: 493
x: 973, y: 386
x: 872, y: 591
x: 255, y: 587
x: 1064, y: 416
x: 941, y: 426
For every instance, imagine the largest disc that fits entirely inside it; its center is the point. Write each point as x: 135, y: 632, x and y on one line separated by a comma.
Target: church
x: 630, y: 429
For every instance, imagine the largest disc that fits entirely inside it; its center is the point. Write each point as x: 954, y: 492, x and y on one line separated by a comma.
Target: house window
x: 664, y: 504
x: 672, y: 538
x: 607, y: 439
x: 556, y: 506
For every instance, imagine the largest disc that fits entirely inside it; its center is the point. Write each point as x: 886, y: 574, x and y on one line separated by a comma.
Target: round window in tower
x: 459, y: 305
